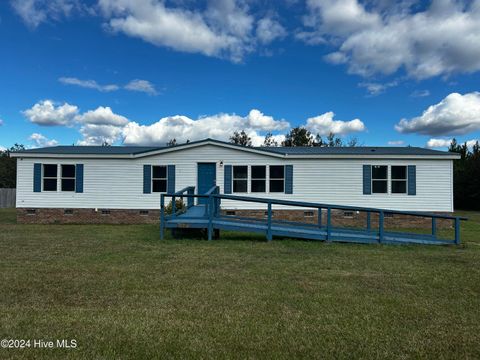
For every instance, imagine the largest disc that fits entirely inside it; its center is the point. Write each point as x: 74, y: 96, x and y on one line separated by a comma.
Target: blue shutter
x: 412, y: 180
x: 170, y: 179
x: 227, y: 179
x: 288, y: 179
x: 79, y: 178
x: 367, y: 179
x: 37, y: 177
x: 147, y: 179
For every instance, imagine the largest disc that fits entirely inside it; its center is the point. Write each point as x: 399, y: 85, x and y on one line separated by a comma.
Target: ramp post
x: 380, y: 227
x: 162, y: 216
x: 174, y: 206
x: 190, y: 199
x: 329, y: 223
x: 369, y: 223
x: 320, y: 217
x: 434, y: 227
x: 457, y: 230
x: 210, y: 217
x: 269, y: 222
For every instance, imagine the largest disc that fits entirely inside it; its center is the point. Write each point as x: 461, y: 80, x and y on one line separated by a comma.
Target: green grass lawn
x: 122, y: 293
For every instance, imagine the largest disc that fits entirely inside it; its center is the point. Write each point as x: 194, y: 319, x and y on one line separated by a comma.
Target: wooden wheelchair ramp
x: 207, y: 215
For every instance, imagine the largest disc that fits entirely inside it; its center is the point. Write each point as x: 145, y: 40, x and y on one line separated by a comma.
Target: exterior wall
x: 131, y: 216
x: 118, y: 183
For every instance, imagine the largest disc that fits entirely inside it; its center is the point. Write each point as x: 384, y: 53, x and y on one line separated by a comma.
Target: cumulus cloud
x: 175, y: 28
x: 41, y: 141
x: 103, y: 125
x: 219, y: 126
x: 439, y: 39
x: 259, y: 121
x: 440, y: 143
x: 96, y: 126
x: 47, y: 113
x: 141, y: 86
x: 324, y: 124
x: 89, y: 84
x: 455, y: 114
x: 225, y: 28
x: 3, y: 148
x: 101, y: 116
x: 95, y: 134
x: 35, y: 12
x: 396, y: 142
x: 1, y: 122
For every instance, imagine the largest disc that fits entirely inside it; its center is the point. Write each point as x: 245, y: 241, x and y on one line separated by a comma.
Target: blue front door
x: 206, y: 179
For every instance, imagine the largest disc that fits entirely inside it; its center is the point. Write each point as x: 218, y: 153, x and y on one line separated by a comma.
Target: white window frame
x: 165, y: 178
x: 386, y: 179
x: 49, y: 177
x: 264, y: 179
x: 68, y: 178
x: 247, y: 179
x: 391, y: 180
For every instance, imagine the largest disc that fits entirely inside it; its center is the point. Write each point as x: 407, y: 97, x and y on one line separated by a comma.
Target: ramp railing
x: 331, y: 233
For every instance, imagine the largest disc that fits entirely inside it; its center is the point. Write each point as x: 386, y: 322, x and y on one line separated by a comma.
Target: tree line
x: 8, y: 167
x: 466, y: 176
x: 297, y: 136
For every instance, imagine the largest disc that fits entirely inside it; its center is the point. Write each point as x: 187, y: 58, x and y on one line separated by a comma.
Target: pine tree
x: 241, y: 138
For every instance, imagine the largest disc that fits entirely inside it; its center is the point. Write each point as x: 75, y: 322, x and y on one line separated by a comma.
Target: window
x: 379, y: 179
x: 388, y: 215
x: 31, y: 211
x: 308, y: 213
x: 159, y: 179
x: 348, y: 214
x: 277, y: 178
x: 259, y: 174
x: 240, y: 179
x: 49, y: 177
x: 399, y: 179
x: 230, y: 213
x: 68, y: 177
x: 68, y: 212
x: 144, y: 212
x: 105, y: 212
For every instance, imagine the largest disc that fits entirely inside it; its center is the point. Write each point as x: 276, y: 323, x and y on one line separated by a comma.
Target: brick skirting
x: 138, y: 216
x: 87, y: 216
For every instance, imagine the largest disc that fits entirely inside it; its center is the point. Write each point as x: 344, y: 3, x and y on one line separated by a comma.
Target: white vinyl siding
x: 118, y: 183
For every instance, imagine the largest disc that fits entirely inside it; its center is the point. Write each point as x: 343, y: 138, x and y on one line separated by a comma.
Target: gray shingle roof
x: 92, y: 150
x: 358, y: 150
x: 135, y: 150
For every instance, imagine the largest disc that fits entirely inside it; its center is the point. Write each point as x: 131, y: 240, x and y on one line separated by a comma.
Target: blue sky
x: 145, y: 71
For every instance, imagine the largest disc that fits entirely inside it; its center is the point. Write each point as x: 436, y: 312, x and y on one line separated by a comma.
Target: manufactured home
x: 123, y: 184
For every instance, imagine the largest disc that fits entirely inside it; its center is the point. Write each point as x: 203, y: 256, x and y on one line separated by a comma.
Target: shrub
x: 179, y: 206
